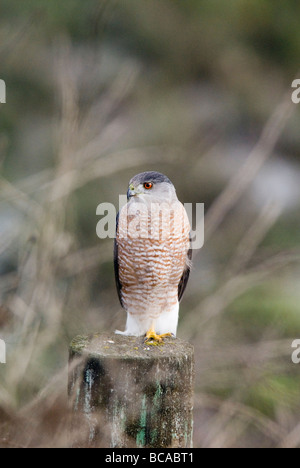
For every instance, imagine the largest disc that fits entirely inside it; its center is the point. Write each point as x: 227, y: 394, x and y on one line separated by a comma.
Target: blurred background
x: 200, y: 90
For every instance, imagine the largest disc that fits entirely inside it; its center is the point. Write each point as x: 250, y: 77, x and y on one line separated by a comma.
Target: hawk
x: 152, y: 256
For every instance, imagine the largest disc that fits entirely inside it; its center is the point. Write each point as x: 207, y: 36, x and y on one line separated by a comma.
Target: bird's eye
x: 148, y: 185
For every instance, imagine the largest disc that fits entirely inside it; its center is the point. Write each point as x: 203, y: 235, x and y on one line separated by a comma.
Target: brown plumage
x: 152, y: 255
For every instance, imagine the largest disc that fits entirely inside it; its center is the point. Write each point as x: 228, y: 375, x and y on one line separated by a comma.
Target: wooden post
x: 127, y: 394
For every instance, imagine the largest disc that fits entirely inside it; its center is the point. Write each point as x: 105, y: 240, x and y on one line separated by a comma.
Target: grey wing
x: 185, y: 276
x: 116, y: 265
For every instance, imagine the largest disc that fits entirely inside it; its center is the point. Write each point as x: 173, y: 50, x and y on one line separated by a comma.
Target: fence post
x: 126, y: 394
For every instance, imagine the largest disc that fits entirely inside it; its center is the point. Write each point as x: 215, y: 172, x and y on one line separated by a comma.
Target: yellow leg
x: 153, y: 338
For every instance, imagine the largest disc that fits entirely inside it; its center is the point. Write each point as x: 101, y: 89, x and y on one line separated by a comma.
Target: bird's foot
x: 153, y: 339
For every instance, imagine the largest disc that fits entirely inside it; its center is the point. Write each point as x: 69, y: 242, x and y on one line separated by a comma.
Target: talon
x: 151, y: 336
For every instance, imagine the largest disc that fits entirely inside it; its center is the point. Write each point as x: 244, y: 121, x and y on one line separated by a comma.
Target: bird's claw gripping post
x: 152, y: 338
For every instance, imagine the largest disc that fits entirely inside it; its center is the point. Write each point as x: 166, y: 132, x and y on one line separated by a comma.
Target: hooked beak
x: 131, y: 192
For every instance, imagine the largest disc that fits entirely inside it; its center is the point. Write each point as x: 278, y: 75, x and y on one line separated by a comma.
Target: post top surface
x: 110, y: 345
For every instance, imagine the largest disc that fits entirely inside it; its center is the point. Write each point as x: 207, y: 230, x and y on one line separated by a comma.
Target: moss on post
x: 125, y: 393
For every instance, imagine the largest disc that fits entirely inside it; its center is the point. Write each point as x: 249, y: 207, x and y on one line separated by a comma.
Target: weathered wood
x: 125, y: 393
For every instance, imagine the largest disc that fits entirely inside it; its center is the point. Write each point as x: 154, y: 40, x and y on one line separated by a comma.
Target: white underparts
x: 137, y: 325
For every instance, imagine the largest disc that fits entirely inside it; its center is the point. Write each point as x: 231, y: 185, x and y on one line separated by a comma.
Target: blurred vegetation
x: 98, y: 91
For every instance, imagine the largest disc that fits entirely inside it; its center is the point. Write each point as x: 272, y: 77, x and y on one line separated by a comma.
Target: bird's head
x: 152, y: 187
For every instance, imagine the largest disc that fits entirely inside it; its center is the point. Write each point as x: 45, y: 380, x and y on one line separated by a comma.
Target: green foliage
x: 274, y: 393
x: 72, y: 17
x: 267, y: 307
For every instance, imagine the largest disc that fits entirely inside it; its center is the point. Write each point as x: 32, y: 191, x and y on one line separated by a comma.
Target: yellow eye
x: 148, y: 185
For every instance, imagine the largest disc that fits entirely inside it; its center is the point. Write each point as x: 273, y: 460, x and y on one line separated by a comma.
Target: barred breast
x: 152, y: 255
